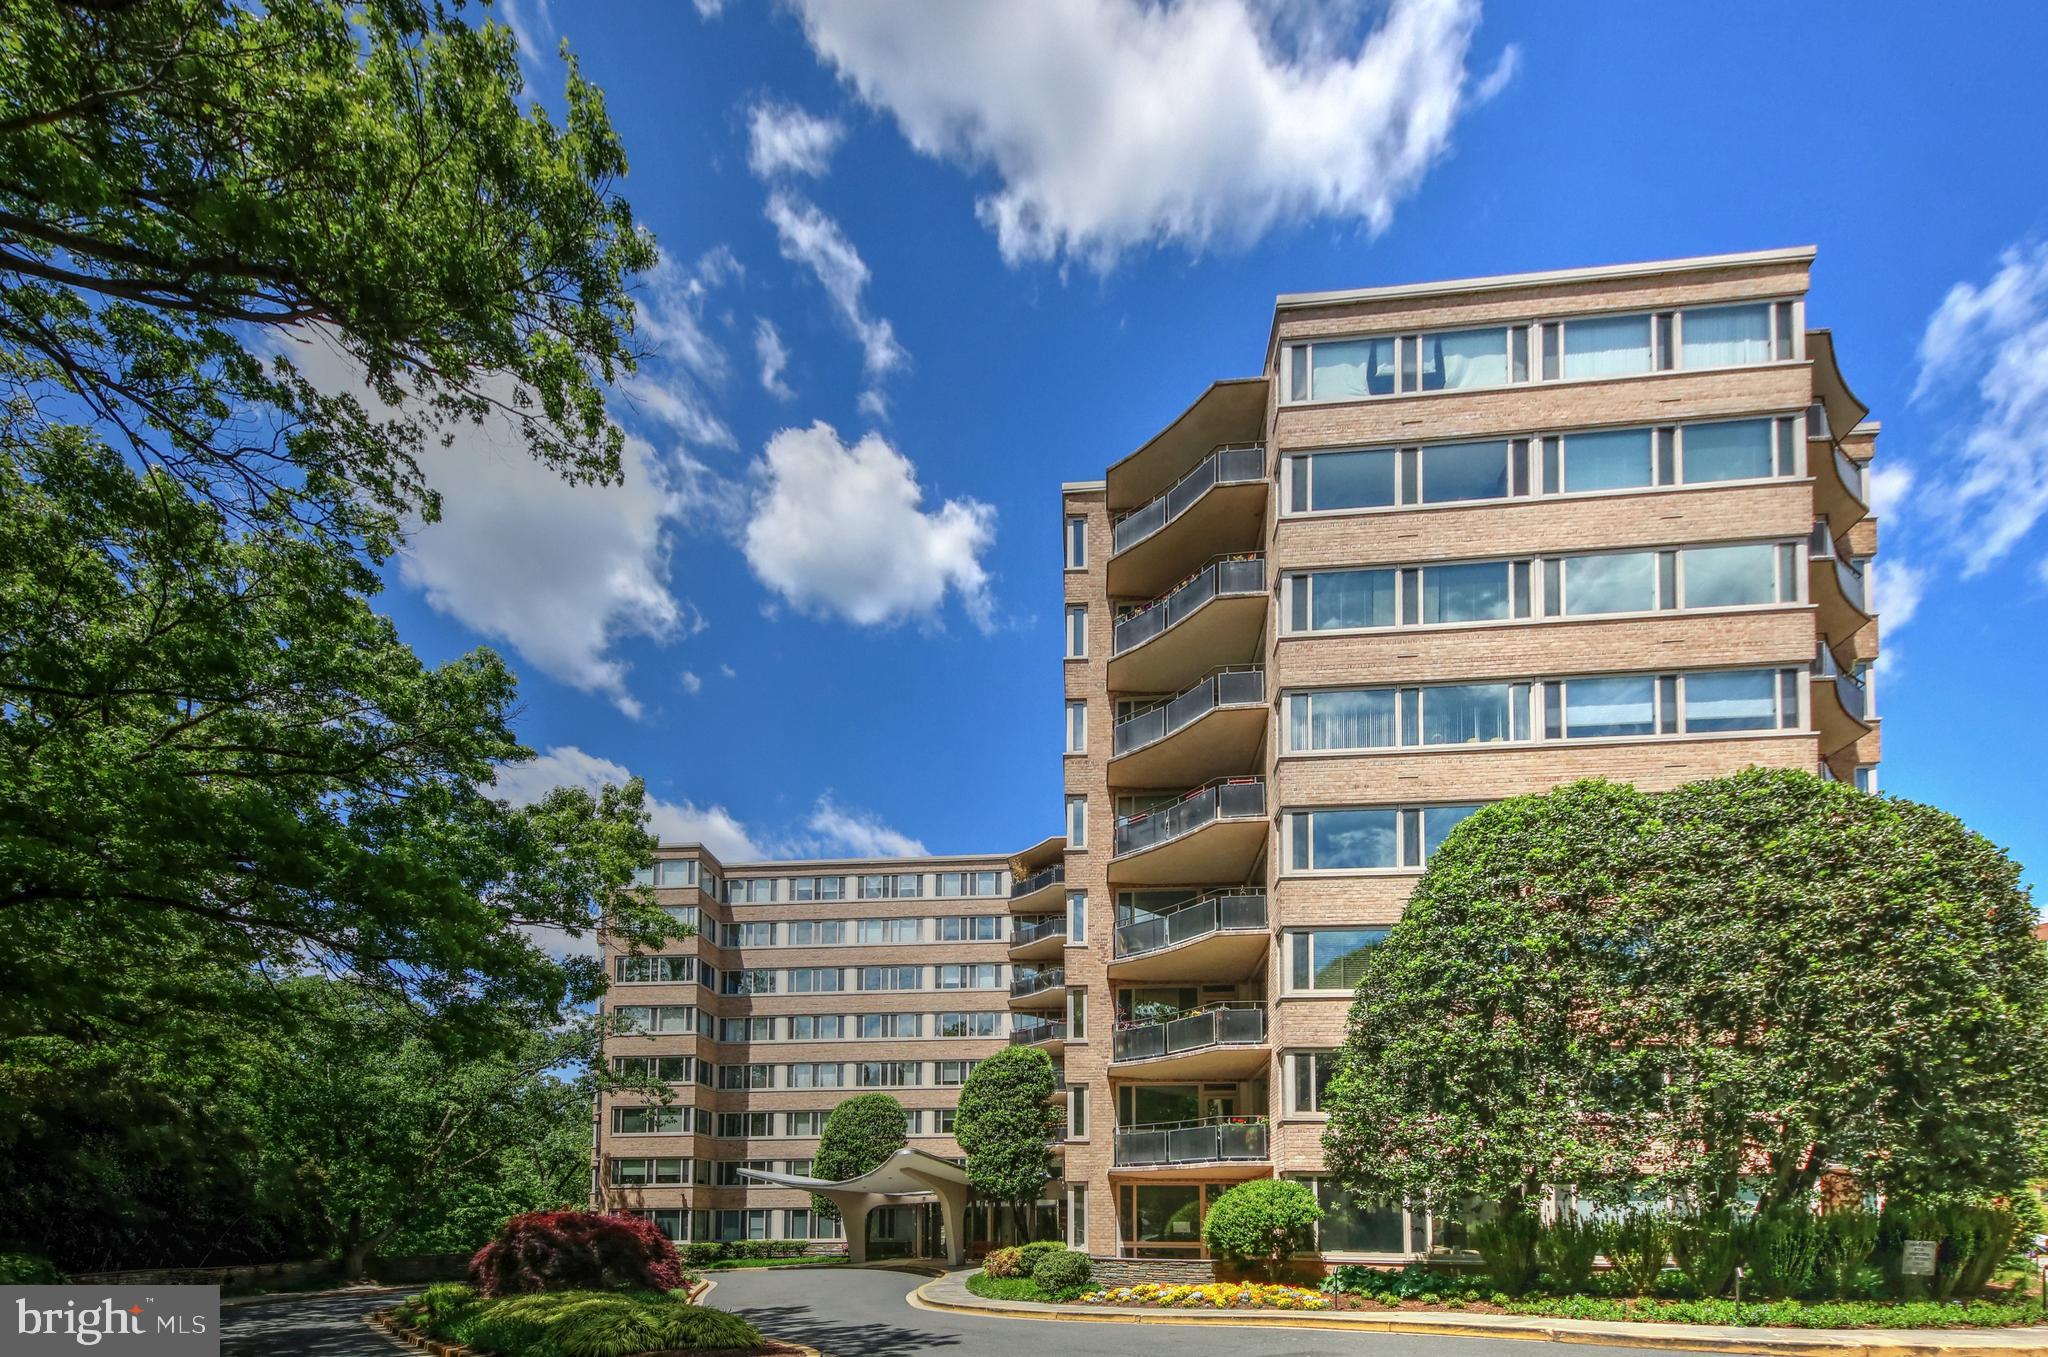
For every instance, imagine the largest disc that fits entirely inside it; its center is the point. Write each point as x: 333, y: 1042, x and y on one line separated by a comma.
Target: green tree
x: 1264, y: 1221
x: 859, y: 1134
x: 379, y: 1129
x: 1005, y: 1124
x: 186, y: 183
x: 1667, y: 993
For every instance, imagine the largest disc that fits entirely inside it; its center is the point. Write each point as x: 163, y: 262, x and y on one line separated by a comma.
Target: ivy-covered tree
x: 1006, y: 1123
x: 859, y: 1134
x: 1754, y: 977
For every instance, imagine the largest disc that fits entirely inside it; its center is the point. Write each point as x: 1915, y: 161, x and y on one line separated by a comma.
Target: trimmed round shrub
x: 1262, y: 1221
x: 1004, y: 1263
x: 575, y: 1251
x: 1029, y: 1254
x: 1063, y: 1272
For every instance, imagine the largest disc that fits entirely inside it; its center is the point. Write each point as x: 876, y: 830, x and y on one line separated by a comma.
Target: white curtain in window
x: 1727, y: 336
x: 1607, y: 346
x: 1471, y: 357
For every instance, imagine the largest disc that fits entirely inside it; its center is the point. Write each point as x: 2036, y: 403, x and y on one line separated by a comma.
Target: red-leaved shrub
x: 575, y: 1251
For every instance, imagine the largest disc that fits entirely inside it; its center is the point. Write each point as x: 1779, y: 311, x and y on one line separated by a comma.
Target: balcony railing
x: 1038, y: 881
x: 1227, y: 1024
x: 1045, y: 977
x: 1852, y: 584
x: 1037, y: 1032
x: 1233, y: 687
x: 1224, y: 466
x: 1229, y: 575
x: 1855, y: 476
x: 1052, y: 926
x: 1210, y: 1141
x: 1847, y: 688
x: 1212, y: 913
x: 1223, y: 799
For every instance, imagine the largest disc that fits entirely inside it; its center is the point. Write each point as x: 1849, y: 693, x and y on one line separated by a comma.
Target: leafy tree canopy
x: 1740, y: 983
x: 859, y: 1134
x: 1006, y: 1120
x: 185, y: 184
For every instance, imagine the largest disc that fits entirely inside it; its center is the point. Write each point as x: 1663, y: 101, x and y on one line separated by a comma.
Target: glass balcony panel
x: 1229, y: 1023
x: 1049, y: 977
x: 1193, y: 1142
x: 1039, y: 1031
x: 1241, y: 575
x: 1038, y: 881
x: 1225, y: 687
x: 1024, y: 934
x: 1852, y: 584
x: 1204, y: 915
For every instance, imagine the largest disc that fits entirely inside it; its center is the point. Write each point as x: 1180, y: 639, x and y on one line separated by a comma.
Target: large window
x: 817, y: 1027
x: 970, y: 928
x: 817, y: 932
x: 872, y: 931
x: 1077, y: 728
x: 984, y: 975
x: 1606, y: 346
x: 819, y: 1074
x: 1726, y: 336
x: 891, y: 977
x: 1743, y: 575
x: 1330, y: 958
x: 874, y: 1025
x: 1308, y: 1077
x: 1077, y: 822
x: 1671, y: 704
x: 1363, y: 840
x: 671, y: 970
x: 815, y: 980
x: 986, y: 1024
x: 1077, y: 543
x: 650, y: 1121
x: 1431, y: 595
x: 817, y: 888
x: 890, y: 1073
x: 1350, y: 1225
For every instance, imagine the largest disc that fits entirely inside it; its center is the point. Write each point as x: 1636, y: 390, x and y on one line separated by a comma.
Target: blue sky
x: 924, y: 263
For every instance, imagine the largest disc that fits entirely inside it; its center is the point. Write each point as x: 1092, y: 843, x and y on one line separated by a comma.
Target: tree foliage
x: 186, y: 184
x: 1745, y: 981
x: 576, y: 1251
x: 859, y: 1134
x: 1005, y: 1124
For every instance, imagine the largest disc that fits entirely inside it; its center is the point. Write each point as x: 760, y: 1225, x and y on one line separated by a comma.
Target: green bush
x: 1781, y: 1250
x: 1005, y: 1288
x: 1970, y: 1242
x: 26, y: 1269
x: 1264, y: 1221
x: 1567, y: 1248
x: 574, y: 1323
x: 1845, y: 1239
x: 1507, y: 1243
x: 1413, y: 1282
x: 1707, y: 1247
x: 1063, y: 1274
x: 1787, y: 1314
x: 1029, y: 1254
x: 1004, y: 1263
x: 1636, y: 1247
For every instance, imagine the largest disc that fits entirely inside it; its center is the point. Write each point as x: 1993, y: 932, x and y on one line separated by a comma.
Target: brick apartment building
x: 1460, y: 541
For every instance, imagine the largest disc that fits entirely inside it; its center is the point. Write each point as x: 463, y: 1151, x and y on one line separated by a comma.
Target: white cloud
x: 860, y: 834
x: 669, y: 309
x: 1896, y: 588
x: 671, y: 821
x: 812, y: 239
x: 768, y: 347
x: 1112, y: 124
x: 873, y: 404
x: 1891, y: 488
x: 728, y: 671
x: 1985, y: 352
x: 560, y: 572
x: 691, y: 683
x: 784, y: 139
x: 710, y: 9
x: 839, y: 530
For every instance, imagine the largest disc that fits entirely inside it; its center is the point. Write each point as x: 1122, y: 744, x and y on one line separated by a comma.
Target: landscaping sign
x: 1917, y: 1258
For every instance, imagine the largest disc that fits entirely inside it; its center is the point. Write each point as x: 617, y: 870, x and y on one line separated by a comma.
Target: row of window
x: 1747, y: 574
x: 1591, y: 708
x: 847, y: 1074
x: 1583, y: 349
x: 765, y: 890
x: 1555, y: 464
x: 683, y: 1121
x: 807, y: 979
x: 689, y: 1020
x: 682, y: 1226
x: 862, y: 932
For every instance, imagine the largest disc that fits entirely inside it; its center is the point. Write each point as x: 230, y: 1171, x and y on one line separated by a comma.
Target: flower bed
x: 1213, y: 1296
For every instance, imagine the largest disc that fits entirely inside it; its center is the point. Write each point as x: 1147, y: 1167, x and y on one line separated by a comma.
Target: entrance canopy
x: 905, y: 1175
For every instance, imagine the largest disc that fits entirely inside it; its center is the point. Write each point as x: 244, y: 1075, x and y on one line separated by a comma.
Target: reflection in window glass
x: 1460, y: 471
x: 1726, y: 336
x: 1351, y: 368
x: 1465, y: 593
x: 1615, y: 460
x: 1354, y: 719
x: 1353, y: 598
x: 1352, y: 839
x: 1736, y: 451
x: 1739, y: 701
x: 1622, y: 583
x: 1437, y: 824
x: 1170, y: 1211
x: 1332, y: 958
x: 1464, y: 358
x: 1609, y: 706
x: 1352, y: 1225
x: 1471, y: 713
x: 1725, y: 577
x: 1606, y: 346
x: 1351, y: 480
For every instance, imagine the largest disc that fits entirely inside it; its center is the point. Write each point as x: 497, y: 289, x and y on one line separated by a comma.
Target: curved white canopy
x: 906, y: 1173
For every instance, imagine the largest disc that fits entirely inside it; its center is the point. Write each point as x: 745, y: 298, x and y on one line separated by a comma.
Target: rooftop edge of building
x: 1794, y: 254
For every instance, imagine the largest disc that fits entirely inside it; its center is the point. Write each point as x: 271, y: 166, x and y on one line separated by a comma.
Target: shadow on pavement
x: 801, y: 1324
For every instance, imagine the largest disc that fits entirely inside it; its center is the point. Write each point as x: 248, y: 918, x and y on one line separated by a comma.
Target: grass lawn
x: 585, y: 1323
x: 1014, y: 1288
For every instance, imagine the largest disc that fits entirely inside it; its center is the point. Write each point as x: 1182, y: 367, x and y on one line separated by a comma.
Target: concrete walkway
x: 950, y: 1293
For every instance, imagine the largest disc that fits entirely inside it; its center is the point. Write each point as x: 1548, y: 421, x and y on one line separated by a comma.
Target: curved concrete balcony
x: 1212, y: 729
x: 1040, y: 892
x: 1229, y: 412
x: 1040, y: 939
x: 1840, y: 484
x: 1220, y: 936
x: 1214, y: 617
x: 1840, y: 592
x: 1221, y: 504
x: 1840, y: 704
x: 1044, y: 987
x: 1234, y: 1146
x: 1051, y: 1036
x: 1214, y: 833
x: 1222, y: 1041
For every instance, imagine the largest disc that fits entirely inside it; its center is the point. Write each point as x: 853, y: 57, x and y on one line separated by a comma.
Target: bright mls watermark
x: 146, y: 1321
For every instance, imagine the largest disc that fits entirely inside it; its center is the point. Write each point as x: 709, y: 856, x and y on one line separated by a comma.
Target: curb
x: 280, y: 1297
x: 1778, y: 1343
